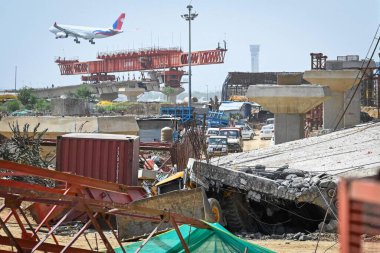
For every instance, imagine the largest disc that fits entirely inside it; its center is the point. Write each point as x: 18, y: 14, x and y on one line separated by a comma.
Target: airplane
x: 87, y: 33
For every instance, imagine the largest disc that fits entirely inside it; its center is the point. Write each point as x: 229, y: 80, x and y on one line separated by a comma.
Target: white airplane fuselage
x: 84, y: 32
x: 87, y: 33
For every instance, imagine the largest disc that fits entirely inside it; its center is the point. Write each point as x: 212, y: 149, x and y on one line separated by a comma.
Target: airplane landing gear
x: 92, y: 41
x: 77, y: 41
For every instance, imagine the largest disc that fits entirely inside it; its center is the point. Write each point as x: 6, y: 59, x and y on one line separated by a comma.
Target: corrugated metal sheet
x: 108, y: 157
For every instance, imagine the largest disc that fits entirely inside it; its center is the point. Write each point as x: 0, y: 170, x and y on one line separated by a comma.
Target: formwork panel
x: 108, y: 157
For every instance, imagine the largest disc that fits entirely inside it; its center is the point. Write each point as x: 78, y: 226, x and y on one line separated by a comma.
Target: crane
x: 150, y: 59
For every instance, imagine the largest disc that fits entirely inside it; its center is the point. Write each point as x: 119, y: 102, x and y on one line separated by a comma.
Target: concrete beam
x: 341, y: 83
x: 337, y: 80
x: 288, y: 98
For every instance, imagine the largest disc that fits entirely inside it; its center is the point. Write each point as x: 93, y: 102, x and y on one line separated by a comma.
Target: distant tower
x: 255, y: 50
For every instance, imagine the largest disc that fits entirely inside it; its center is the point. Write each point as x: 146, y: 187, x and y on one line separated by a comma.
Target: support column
x: 288, y: 127
x: 352, y: 116
x: 132, y: 93
x: 333, y: 110
x: 171, y: 99
x: 342, y: 83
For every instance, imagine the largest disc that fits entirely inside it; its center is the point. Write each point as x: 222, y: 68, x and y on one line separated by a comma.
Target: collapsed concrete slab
x: 349, y: 152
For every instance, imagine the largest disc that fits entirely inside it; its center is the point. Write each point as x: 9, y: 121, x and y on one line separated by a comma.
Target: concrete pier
x: 342, y: 85
x: 289, y: 103
x: 172, y: 93
x: 131, y: 93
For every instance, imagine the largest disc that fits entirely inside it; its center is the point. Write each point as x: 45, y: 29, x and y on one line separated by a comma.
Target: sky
x: 287, y: 32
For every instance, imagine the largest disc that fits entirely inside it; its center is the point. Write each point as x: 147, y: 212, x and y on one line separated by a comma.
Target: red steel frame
x: 14, y: 193
x: 140, y: 60
x: 353, y: 196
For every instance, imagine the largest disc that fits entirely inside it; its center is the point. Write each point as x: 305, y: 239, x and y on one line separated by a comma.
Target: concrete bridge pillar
x: 171, y: 93
x: 289, y: 103
x: 342, y: 84
x: 132, y: 93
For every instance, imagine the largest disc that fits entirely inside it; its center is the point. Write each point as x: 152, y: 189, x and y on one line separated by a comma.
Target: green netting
x: 215, y: 239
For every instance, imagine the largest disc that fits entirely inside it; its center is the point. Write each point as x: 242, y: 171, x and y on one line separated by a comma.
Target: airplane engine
x: 61, y: 35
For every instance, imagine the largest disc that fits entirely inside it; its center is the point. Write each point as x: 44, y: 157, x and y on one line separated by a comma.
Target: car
x: 247, y: 133
x: 217, y: 146
x: 23, y: 113
x: 267, y: 132
x: 212, y: 131
x: 234, y: 138
x: 270, y: 121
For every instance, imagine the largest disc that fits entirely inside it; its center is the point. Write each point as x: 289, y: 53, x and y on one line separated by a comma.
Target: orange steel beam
x: 64, y: 177
x: 28, y: 244
x: 174, y: 224
x: 15, y: 192
x: 141, y: 60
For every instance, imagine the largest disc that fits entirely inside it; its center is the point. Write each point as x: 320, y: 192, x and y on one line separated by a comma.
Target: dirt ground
x: 256, y: 143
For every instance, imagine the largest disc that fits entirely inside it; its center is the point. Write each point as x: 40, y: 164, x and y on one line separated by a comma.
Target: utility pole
x: 207, y: 91
x: 15, y: 78
x: 189, y: 17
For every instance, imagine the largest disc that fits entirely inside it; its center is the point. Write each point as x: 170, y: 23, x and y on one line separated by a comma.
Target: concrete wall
x: 61, y: 125
x: 69, y: 107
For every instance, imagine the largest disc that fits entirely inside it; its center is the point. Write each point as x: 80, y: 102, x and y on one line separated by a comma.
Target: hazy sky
x: 286, y: 30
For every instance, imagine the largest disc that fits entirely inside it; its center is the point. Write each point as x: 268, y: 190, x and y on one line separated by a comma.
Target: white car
x: 217, y: 145
x: 247, y: 132
x: 267, y: 132
x: 212, y: 132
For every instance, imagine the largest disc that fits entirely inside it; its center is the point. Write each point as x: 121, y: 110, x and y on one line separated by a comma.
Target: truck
x: 234, y: 138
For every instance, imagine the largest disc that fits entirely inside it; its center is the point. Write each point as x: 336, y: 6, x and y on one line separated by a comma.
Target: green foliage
x: 117, y: 107
x: 168, y: 90
x: 12, y: 105
x: 84, y: 92
x: 42, y: 105
x: 26, y: 97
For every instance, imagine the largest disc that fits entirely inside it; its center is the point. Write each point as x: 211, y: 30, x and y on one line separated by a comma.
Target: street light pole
x: 189, y: 17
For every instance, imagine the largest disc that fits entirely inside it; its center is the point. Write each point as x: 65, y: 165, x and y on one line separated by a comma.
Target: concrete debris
x: 330, y: 227
x: 271, y: 196
x: 290, y: 236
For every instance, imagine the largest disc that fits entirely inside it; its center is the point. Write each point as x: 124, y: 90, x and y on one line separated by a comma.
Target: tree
x: 13, y: 105
x: 26, y: 97
x: 84, y: 92
x: 42, y: 105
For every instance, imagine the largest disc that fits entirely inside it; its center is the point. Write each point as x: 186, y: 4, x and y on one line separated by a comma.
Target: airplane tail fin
x: 119, y: 22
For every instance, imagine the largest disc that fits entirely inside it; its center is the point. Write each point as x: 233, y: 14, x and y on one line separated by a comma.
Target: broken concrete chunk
x: 290, y: 176
x: 304, y: 238
x: 260, y: 167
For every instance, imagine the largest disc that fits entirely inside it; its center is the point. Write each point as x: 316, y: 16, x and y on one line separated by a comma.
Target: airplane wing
x: 68, y: 32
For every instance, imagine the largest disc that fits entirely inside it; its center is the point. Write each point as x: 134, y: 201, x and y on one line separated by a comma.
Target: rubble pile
x: 273, y: 196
